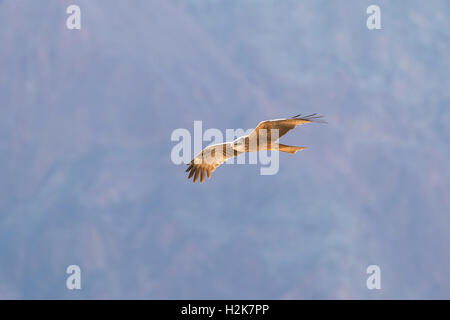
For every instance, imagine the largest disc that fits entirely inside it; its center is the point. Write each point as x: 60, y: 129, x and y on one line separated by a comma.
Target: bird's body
x: 264, y: 137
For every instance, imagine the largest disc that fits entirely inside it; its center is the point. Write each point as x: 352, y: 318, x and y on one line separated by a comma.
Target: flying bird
x: 264, y: 137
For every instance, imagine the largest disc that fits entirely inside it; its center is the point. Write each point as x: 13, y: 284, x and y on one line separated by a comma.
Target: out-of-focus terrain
x: 86, y: 176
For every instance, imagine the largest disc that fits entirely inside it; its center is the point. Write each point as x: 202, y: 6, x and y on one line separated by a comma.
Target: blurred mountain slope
x: 86, y: 177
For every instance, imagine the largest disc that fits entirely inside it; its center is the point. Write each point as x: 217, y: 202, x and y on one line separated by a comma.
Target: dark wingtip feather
x: 314, y: 117
x: 196, y: 174
x: 202, y: 175
x: 191, y: 173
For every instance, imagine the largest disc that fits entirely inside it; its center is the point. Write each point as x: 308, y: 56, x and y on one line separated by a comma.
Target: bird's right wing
x: 209, y: 159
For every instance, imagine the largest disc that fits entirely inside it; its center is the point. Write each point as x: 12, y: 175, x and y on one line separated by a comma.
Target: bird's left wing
x: 283, y: 125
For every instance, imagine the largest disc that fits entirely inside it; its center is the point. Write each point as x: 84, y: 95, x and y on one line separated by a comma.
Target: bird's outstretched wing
x: 209, y: 159
x: 283, y: 125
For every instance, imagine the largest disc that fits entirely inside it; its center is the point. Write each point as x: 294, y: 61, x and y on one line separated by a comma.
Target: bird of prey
x: 264, y: 137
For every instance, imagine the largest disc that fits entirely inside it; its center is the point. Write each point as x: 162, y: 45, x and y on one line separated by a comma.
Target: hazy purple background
x: 85, y: 170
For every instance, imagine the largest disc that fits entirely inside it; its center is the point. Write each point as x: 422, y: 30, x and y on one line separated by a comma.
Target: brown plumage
x: 264, y: 137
